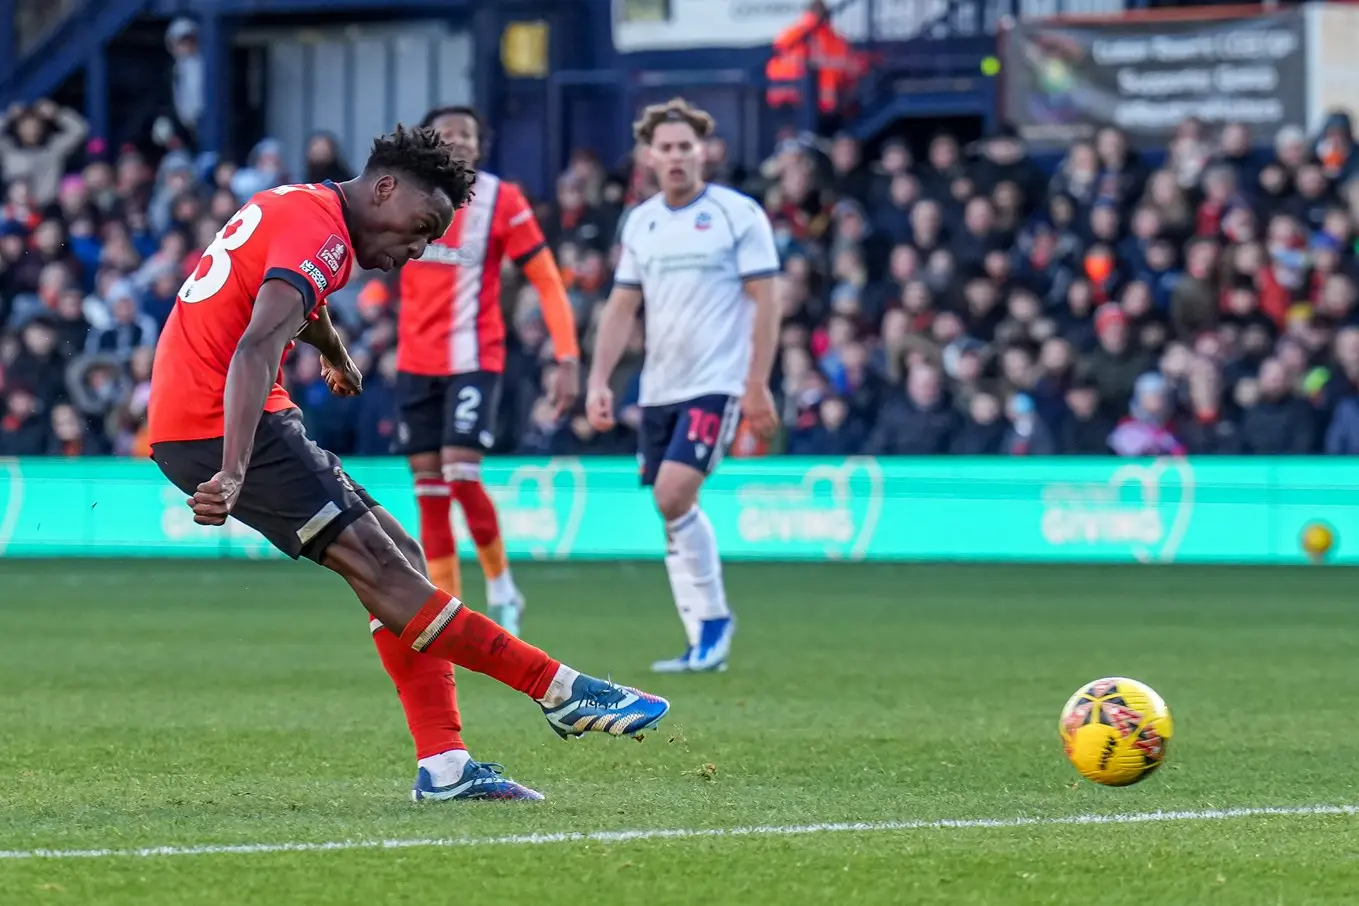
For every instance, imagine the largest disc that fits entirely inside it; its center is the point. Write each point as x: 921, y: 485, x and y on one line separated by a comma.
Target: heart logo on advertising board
x: 833, y: 507
x: 1144, y: 508
x: 1164, y: 483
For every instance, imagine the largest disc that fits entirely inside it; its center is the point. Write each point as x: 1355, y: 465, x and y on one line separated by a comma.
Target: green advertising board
x: 1055, y: 510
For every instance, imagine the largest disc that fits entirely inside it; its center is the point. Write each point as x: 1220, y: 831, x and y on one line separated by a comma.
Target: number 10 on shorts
x: 704, y: 427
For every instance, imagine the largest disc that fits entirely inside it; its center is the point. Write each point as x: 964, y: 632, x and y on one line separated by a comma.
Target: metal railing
x: 65, y: 46
x: 35, y: 20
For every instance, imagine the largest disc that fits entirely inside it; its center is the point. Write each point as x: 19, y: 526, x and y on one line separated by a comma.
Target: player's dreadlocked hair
x: 675, y: 110
x: 420, y: 153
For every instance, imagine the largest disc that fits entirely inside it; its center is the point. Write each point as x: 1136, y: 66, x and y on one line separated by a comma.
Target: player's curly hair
x: 675, y: 110
x: 438, y: 113
x: 421, y: 154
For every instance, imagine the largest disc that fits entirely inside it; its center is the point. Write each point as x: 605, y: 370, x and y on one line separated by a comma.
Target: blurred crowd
x: 965, y: 302
x: 971, y: 303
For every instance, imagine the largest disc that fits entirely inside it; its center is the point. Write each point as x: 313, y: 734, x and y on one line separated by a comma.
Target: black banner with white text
x: 1063, y: 82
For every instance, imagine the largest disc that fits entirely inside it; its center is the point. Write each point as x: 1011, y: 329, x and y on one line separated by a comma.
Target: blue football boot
x: 601, y: 706
x: 714, y: 644
x: 479, y: 780
x: 675, y: 664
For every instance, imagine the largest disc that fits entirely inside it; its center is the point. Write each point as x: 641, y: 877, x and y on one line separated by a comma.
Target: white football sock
x: 446, y: 767
x: 686, y: 596
x: 559, y: 690
x: 695, y: 545
x: 501, y: 590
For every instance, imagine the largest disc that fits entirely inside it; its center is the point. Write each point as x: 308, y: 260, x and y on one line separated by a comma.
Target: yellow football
x: 1115, y: 731
x: 1317, y: 540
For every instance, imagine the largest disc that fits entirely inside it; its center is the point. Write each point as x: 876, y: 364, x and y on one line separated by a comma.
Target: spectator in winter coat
x: 265, y: 170
x: 23, y: 426
x: 1342, y: 437
x: 1343, y: 378
x: 573, y: 219
x: 1206, y: 430
x: 917, y: 423
x: 1115, y: 365
x: 983, y: 430
x: 1085, y: 429
x: 977, y: 235
x: 1078, y: 176
x: 1003, y: 159
x: 71, y: 435
x: 69, y: 321
x: 1026, y: 435
x: 892, y: 216
x: 324, y: 159
x: 129, y: 329
x: 181, y: 40
x: 1122, y: 175
x: 39, y: 364
x: 1145, y: 432
x: 1334, y: 148
x: 1236, y: 152
x: 1274, y: 421
x: 835, y: 433
x: 174, y: 178
x: 1194, y: 300
x: 96, y: 384
x: 377, y: 419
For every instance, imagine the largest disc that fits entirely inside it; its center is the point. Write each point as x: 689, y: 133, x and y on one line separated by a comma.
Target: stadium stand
x: 964, y: 302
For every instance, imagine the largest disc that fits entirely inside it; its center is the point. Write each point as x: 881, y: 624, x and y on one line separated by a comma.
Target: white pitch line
x: 628, y: 836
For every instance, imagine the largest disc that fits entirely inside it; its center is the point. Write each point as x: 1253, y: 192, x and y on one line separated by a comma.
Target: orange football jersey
x: 296, y: 234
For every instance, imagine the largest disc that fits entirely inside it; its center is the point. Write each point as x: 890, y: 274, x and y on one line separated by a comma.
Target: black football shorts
x: 456, y: 410
x: 295, y: 494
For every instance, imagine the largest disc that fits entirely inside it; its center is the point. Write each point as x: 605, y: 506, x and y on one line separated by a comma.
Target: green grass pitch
x: 149, y: 704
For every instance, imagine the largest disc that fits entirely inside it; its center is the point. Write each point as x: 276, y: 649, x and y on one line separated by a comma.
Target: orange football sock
x: 484, y: 525
x: 445, y: 573
x: 446, y: 629
x: 427, y: 690
x: 494, y: 562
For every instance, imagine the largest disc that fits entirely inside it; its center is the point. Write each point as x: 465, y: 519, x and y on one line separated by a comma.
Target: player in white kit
x: 703, y: 257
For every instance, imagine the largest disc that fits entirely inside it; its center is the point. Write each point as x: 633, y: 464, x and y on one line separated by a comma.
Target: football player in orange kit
x: 225, y: 432
x: 451, y: 356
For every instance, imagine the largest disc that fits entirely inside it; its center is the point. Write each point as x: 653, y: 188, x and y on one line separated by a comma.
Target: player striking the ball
x: 450, y: 354
x: 700, y: 255
x: 223, y: 430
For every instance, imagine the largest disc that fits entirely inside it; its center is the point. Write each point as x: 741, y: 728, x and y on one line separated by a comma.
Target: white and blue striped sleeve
x: 756, y: 253
x: 627, y: 274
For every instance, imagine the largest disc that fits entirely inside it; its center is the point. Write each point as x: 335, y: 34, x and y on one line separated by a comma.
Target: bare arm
x: 757, y: 403
x: 615, y: 325
x: 341, y: 375
x: 250, y: 376
x: 612, y: 337
x: 766, y: 338
x: 320, y: 332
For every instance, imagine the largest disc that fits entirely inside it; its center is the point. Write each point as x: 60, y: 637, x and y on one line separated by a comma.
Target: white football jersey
x: 690, y: 264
